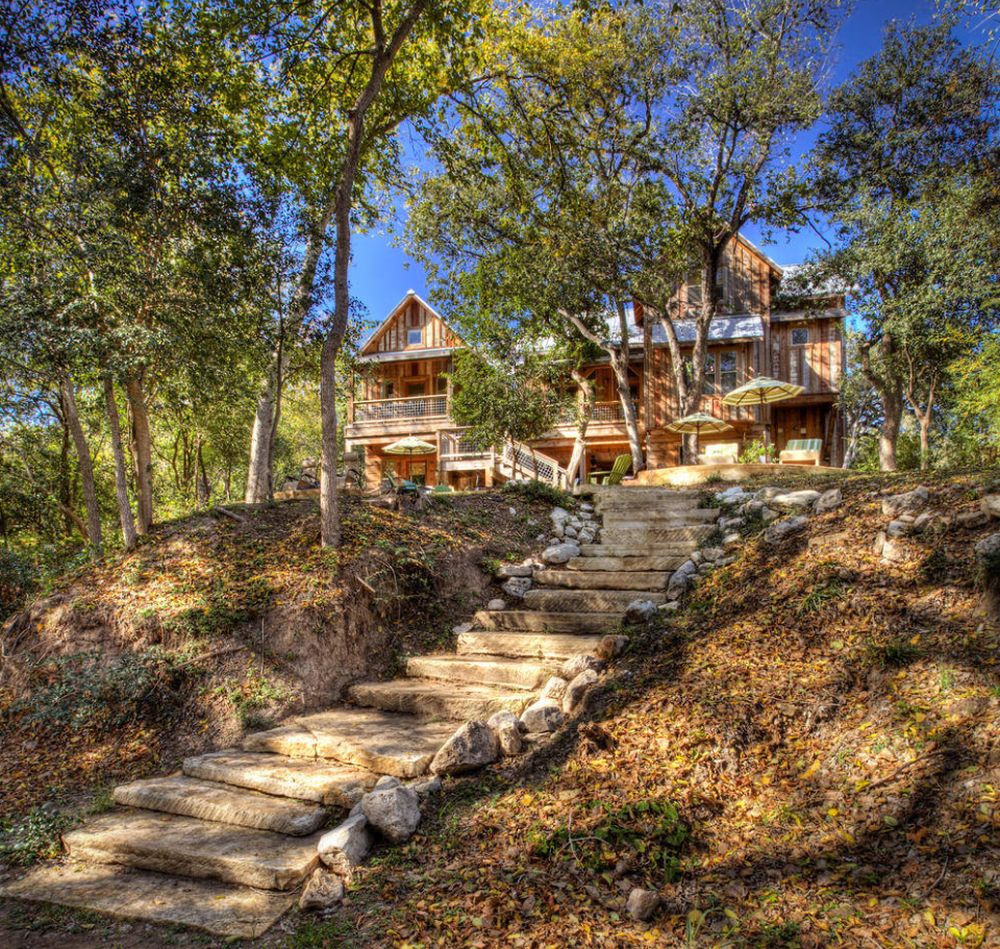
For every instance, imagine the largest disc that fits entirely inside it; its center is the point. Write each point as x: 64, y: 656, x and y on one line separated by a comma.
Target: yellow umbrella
x: 697, y: 423
x: 761, y: 391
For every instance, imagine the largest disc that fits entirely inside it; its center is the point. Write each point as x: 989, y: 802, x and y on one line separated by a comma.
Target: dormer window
x: 414, y: 337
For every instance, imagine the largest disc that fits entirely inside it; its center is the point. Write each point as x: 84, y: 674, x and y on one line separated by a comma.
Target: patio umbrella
x: 410, y: 446
x: 762, y: 391
x: 697, y: 423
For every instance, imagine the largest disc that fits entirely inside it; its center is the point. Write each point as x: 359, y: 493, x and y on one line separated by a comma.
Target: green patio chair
x: 442, y: 489
x: 618, y: 471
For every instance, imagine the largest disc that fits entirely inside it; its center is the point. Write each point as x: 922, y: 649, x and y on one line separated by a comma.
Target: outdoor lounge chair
x: 719, y: 453
x: 618, y: 471
x: 401, y: 487
x: 442, y: 489
x: 802, y: 451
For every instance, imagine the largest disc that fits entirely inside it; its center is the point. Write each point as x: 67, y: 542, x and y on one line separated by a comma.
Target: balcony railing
x: 381, y: 410
x: 603, y: 412
x: 459, y: 445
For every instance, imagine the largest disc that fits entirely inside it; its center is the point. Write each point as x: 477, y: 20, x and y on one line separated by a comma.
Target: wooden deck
x: 687, y: 475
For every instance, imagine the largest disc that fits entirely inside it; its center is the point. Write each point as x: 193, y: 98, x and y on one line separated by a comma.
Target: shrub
x: 538, y: 491
x: 17, y: 581
x: 35, y: 836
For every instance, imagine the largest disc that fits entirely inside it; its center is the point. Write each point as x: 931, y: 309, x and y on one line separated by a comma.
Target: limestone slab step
x: 428, y: 698
x: 546, y: 622
x: 681, y: 548
x: 222, y: 909
x: 577, y: 601
x: 305, y: 779
x: 589, y: 563
x: 502, y: 672
x: 604, y: 580
x: 186, y: 846
x: 633, y: 517
x: 550, y: 646
x: 194, y: 797
x: 601, y: 492
x: 644, y: 536
x: 379, y: 741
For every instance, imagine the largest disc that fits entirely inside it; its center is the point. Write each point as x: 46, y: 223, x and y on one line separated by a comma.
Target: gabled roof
x: 408, y: 297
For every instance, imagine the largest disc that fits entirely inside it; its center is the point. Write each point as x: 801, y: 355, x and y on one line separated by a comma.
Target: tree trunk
x: 892, y: 415
x: 260, y: 484
x: 204, y: 492
x: 85, y: 463
x: 585, y: 396
x: 142, y: 454
x: 619, y: 366
x: 118, y: 453
x: 65, y: 495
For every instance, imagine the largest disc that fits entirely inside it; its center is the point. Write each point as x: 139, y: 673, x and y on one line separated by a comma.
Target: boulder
x: 730, y: 523
x: 640, y: 611
x: 795, y: 500
x: 696, y: 558
x: 751, y: 508
x: 554, y: 689
x: 733, y: 539
x: 496, y: 604
x: 972, y: 519
x: 509, y: 570
x: 587, y: 507
x: 725, y: 561
x: 517, y: 587
x: 427, y: 786
x: 570, y: 531
x: 898, y: 528
x: 782, y: 530
x: 587, y: 536
x: 611, y: 646
x: 923, y: 521
x: 671, y: 606
x: 393, y: 812
x: 712, y: 554
x: 907, y: 502
x: 990, y: 505
x: 680, y: 579
x: 733, y: 495
x: 577, y: 690
x: 559, y: 553
x: 323, y: 891
x: 988, y: 561
x: 705, y: 569
x: 386, y: 781
x: 544, y: 715
x: 642, y: 904
x: 767, y: 515
x: 765, y: 494
x: 461, y: 628
x: 472, y: 746
x: 504, y: 725
x: 346, y: 846
x: 573, y: 666
x: 559, y: 516
x: 889, y: 548
x: 829, y: 500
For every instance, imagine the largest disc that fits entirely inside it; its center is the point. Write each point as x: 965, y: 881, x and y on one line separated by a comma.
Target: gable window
x: 414, y: 337
x: 727, y: 371
x: 800, y: 336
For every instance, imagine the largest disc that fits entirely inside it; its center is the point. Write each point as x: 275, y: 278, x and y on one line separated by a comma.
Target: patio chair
x: 443, y: 489
x: 402, y: 486
x: 719, y: 453
x: 802, y: 451
x: 618, y: 471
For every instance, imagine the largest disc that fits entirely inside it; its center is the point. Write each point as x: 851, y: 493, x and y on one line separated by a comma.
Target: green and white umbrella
x: 697, y: 423
x: 762, y: 391
x: 410, y: 446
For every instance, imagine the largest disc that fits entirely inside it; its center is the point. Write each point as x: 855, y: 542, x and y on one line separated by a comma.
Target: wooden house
x: 405, y: 391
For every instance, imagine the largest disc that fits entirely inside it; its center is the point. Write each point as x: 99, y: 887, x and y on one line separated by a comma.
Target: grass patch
x: 36, y: 836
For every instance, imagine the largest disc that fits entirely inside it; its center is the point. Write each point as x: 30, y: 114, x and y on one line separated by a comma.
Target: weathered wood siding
x: 405, y: 376
x: 412, y: 315
x: 816, y: 364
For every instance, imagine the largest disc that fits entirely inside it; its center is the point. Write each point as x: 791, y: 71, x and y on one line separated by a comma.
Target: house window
x: 710, y: 384
x: 416, y: 389
x: 800, y: 336
x: 414, y: 337
x: 727, y: 371
x: 388, y: 390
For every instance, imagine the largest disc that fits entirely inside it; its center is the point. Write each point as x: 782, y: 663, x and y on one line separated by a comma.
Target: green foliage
x: 36, y: 836
x: 251, y: 696
x: 755, y: 450
x: 649, y: 831
x: 17, y: 580
x: 85, y: 690
x: 539, y: 491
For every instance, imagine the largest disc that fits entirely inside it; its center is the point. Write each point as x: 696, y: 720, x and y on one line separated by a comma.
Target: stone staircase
x: 224, y: 845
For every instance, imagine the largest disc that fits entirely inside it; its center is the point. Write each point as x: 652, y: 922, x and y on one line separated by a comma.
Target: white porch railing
x: 459, y: 445
x: 521, y: 461
x: 423, y: 406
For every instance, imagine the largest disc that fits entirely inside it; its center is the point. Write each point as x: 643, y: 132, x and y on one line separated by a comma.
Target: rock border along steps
x: 224, y: 845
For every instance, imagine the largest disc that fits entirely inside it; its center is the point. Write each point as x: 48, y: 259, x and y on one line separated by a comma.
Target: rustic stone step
x: 653, y: 506
x: 615, y: 492
x: 194, y: 797
x: 576, y: 601
x: 640, y: 538
x: 431, y: 699
x: 541, y: 621
x: 500, y: 672
x: 552, y: 646
x: 606, y: 580
x: 680, y: 548
x: 598, y: 564
x: 639, y: 516
x: 186, y: 846
x: 379, y: 741
x: 232, y: 912
x: 305, y: 779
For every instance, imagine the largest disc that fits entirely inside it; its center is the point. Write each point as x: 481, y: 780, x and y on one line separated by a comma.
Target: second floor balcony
x: 390, y: 410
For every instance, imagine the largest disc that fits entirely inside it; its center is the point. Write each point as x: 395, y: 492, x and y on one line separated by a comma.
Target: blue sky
x: 382, y: 272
